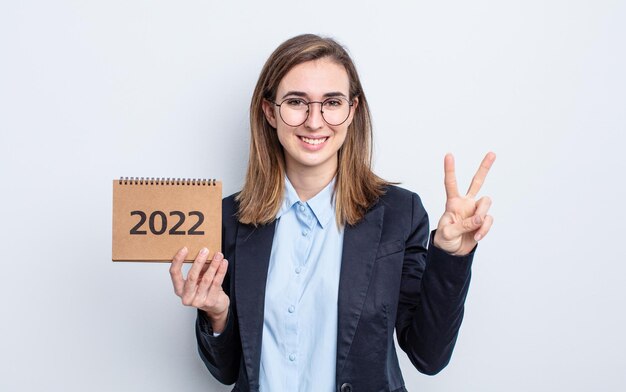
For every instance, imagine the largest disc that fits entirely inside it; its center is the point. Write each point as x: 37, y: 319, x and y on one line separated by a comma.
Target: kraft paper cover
x: 170, y: 210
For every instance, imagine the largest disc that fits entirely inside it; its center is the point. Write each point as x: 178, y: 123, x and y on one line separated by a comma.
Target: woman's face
x: 313, y: 145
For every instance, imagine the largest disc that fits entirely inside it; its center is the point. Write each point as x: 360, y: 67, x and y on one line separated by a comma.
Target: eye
x: 295, y: 102
x: 333, y: 102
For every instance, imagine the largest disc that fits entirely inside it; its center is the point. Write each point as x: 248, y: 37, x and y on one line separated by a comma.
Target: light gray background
x: 94, y: 90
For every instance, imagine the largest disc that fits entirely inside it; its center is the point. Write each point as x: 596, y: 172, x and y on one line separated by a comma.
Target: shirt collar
x: 289, y: 199
x: 322, y: 204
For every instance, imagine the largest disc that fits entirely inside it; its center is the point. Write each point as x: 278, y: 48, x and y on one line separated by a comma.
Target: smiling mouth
x: 313, y: 142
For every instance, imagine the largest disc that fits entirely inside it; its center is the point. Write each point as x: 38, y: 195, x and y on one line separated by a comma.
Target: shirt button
x: 292, y: 357
x: 346, y: 387
x: 305, y: 232
x: 292, y: 309
x: 301, y: 207
x: 298, y: 270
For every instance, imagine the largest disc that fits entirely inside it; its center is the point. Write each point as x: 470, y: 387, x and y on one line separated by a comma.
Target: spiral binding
x: 166, y: 181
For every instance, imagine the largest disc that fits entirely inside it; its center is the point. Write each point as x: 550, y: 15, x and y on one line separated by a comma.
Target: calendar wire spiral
x: 167, y: 181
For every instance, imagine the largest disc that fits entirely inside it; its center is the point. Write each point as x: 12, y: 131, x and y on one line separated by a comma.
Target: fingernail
x: 477, y: 237
x: 204, y: 251
x: 183, y: 250
x: 218, y: 256
x: 477, y: 220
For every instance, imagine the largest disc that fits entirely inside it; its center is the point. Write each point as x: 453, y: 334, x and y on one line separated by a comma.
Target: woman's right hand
x: 203, y: 287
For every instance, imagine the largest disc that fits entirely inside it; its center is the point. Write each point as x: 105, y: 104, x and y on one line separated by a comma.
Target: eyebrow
x: 304, y: 95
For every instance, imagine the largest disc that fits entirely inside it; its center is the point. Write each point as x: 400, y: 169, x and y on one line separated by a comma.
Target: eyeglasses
x: 295, y: 111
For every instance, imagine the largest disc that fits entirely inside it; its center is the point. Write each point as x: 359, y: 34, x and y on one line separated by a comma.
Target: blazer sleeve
x: 222, y: 354
x: 433, y: 289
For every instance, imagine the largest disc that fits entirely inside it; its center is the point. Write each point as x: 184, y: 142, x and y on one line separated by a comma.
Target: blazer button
x: 346, y: 387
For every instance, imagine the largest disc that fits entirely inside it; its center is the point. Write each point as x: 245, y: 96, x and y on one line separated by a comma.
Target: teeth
x: 313, y: 141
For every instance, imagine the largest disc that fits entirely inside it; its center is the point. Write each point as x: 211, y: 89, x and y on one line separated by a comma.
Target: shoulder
x: 230, y: 206
x: 396, y: 197
x: 230, y: 224
x: 399, y: 218
x: 403, y: 208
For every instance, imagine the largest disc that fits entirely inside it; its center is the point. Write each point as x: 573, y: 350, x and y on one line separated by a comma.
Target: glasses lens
x: 294, y: 111
x: 335, y: 110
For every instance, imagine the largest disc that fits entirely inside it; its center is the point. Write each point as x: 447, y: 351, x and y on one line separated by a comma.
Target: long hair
x: 357, y: 188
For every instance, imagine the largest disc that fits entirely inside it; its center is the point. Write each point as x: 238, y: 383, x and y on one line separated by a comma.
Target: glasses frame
x: 308, y: 111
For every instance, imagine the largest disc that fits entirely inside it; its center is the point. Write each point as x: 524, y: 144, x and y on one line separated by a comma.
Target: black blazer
x: 389, y: 279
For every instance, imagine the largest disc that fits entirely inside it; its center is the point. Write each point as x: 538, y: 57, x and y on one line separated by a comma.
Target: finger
x: 484, y: 229
x: 481, y: 174
x: 215, y: 289
x: 467, y: 225
x: 221, y: 273
x: 191, y: 284
x: 176, y: 271
x: 207, y: 280
x: 482, y: 206
x: 449, y: 178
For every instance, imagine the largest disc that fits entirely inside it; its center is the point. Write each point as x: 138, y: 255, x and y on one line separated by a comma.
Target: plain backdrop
x: 94, y: 90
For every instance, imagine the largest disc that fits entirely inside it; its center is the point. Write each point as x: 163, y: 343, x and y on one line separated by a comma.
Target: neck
x: 309, y: 182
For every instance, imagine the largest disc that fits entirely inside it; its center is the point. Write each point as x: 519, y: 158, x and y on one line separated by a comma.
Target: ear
x: 269, y: 109
x: 355, y: 104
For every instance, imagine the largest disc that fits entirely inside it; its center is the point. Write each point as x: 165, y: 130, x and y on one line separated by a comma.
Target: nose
x: 314, y: 120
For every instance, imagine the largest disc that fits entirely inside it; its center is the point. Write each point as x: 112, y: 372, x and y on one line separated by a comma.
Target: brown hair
x: 357, y: 188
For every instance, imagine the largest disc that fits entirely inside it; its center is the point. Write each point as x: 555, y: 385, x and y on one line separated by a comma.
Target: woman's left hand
x: 465, y: 221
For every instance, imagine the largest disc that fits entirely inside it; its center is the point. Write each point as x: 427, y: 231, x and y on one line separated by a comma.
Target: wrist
x: 437, y: 242
x: 218, y: 322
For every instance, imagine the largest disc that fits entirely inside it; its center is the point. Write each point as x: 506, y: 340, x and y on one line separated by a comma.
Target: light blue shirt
x: 299, y: 346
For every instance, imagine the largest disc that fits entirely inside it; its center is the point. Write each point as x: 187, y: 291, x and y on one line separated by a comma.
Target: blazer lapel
x: 360, y: 244
x: 254, y: 247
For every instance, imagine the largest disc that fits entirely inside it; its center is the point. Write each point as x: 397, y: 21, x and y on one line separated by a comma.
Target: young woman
x: 325, y: 259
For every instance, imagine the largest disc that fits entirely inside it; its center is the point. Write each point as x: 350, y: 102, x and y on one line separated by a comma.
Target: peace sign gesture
x: 465, y: 221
